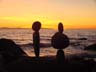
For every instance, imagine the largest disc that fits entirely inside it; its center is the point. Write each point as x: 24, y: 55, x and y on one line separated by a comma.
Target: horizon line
x: 51, y: 28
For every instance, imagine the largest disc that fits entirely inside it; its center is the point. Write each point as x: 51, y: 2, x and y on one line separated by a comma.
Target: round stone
x: 60, y: 41
x: 36, y: 26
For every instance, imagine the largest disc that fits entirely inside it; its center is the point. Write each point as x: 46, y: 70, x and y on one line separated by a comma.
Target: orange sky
x: 74, y: 14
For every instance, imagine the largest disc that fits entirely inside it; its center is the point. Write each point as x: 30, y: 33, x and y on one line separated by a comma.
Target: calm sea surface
x: 23, y: 37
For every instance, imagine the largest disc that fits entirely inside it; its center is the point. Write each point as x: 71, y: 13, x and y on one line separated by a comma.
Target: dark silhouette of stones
x: 36, y: 38
x: 36, y: 26
x: 36, y: 43
x: 60, y: 28
x: 60, y: 40
x: 60, y: 56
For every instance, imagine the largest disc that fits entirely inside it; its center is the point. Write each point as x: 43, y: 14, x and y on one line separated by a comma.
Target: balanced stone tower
x: 36, y: 38
x: 60, y: 41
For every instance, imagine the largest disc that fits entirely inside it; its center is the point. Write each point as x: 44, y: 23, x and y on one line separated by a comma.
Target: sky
x: 74, y: 14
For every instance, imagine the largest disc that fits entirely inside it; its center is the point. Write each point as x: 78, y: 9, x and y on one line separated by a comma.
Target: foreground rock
x: 91, y: 47
x: 49, y: 64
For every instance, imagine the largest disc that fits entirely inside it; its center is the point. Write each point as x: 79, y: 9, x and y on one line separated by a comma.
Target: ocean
x: 24, y: 38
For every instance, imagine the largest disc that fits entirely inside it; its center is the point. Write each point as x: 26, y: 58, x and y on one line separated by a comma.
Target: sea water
x: 24, y: 38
